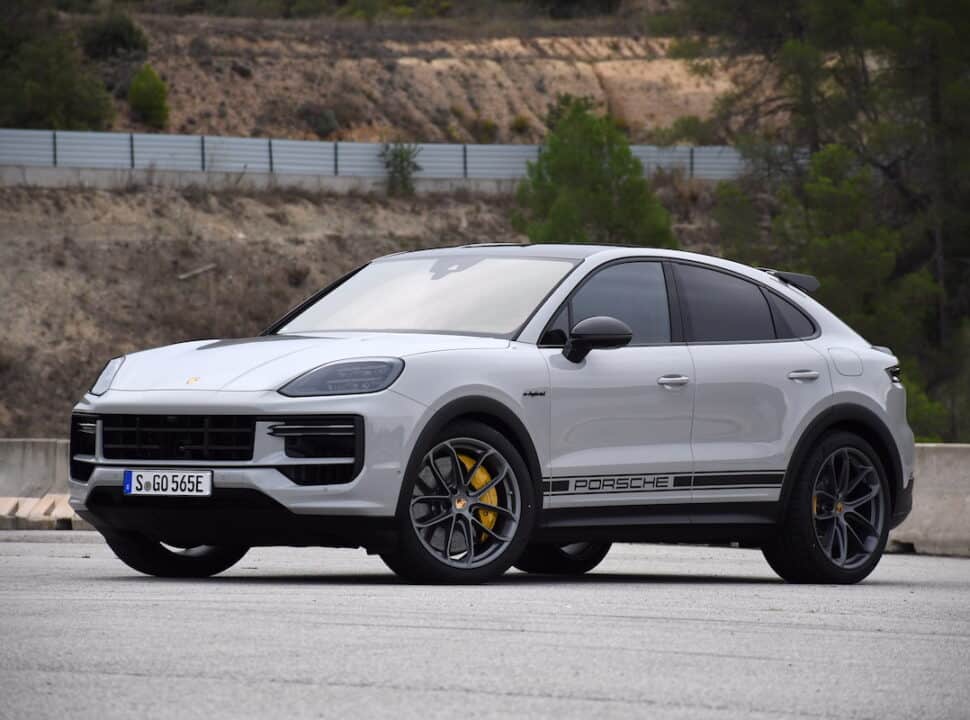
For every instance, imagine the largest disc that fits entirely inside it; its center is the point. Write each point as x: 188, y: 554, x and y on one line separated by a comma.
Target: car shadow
x: 509, y: 579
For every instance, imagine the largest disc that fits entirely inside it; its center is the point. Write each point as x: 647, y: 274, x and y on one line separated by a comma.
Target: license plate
x: 168, y: 482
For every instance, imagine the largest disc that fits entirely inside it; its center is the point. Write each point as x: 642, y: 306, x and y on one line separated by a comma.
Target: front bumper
x: 231, y: 516
x: 254, y: 502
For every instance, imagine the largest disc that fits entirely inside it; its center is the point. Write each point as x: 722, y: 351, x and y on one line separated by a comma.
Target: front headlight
x: 350, y: 377
x: 106, y: 377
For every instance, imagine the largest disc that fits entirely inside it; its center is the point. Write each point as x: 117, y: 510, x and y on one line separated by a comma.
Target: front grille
x: 83, y: 437
x: 177, y: 437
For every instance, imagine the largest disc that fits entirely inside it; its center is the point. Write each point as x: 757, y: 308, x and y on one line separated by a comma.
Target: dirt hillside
x: 318, y: 78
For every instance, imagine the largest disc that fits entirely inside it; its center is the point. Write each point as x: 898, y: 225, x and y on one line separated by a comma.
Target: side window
x: 634, y: 292
x: 723, y: 308
x: 790, y: 322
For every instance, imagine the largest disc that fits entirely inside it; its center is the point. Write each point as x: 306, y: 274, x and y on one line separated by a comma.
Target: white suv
x: 462, y: 410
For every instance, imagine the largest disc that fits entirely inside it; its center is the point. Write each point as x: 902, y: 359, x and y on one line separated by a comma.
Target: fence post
x: 202, y: 145
x: 464, y: 161
x: 692, y: 161
x: 336, y: 158
x: 131, y: 148
x: 54, y: 146
x: 271, y: 167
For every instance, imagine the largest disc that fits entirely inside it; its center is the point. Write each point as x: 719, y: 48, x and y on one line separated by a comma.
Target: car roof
x: 571, y: 251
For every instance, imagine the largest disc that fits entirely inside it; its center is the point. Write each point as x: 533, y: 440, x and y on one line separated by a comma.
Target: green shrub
x: 587, y: 186
x: 148, y: 97
x: 520, y: 125
x: 44, y: 85
x: 483, y: 130
x: 321, y: 120
x: 401, y: 162
x: 112, y: 34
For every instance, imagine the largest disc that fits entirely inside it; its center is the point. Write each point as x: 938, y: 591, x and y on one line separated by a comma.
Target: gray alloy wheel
x: 836, y: 523
x: 848, y: 508
x: 464, y: 506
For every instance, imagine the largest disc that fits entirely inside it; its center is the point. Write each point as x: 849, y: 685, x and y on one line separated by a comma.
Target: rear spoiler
x: 807, y: 283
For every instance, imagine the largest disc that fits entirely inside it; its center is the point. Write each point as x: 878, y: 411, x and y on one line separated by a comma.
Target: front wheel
x: 154, y: 558
x: 467, y: 508
x: 837, y: 521
x: 573, y: 559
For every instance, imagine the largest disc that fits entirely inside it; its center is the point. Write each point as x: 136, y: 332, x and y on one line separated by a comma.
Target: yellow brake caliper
x: 480, y: 479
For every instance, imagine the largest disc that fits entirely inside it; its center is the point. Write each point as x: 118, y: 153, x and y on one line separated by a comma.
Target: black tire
x: 796, y: 552
x: 572, y: 559
x: 152, y: 558
x: 414, y: 560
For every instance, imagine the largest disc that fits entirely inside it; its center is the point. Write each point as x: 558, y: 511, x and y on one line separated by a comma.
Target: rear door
x: 755, y: 382
x: 620, y: 426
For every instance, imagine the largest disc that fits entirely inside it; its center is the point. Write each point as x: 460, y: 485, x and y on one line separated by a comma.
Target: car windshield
x: 462, y: 295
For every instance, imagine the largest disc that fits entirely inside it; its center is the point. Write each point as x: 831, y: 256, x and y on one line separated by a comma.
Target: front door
x: 621, y: 419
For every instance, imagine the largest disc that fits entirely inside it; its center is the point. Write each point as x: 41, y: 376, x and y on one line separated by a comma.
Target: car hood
x: 268, y: 362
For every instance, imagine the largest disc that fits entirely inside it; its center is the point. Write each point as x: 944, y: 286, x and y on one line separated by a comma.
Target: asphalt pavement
x: 654, y: 632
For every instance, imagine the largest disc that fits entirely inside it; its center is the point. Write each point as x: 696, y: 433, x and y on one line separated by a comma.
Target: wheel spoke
x: 489, y: 531
x: 862, y: 520
x: 843, y: 479
x: 868, y: 497
x: 476, y: 467
x: 860, y: 476
x: 843, y: 541
x: 490, y: 484
x: 451, y: 536
x: 457, y: 465
x: 430, y: 462
x: 828, y: 541
x: 858, y: 538
x: 469, y: 534
x: 436, y: 520
x: 430, y: 498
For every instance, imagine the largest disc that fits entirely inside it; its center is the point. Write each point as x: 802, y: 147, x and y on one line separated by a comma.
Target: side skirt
x: 748, y: 522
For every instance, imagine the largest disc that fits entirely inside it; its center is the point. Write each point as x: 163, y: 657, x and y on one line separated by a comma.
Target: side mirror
x: 596, y: 333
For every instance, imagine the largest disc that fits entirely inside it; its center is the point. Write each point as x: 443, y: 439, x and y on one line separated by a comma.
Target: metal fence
x: 206, y: 153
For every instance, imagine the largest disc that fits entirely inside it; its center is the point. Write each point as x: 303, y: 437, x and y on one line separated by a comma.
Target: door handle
x: 803, y: 375
x: 672, y: 381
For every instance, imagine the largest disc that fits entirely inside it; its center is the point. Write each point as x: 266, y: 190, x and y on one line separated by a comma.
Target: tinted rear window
x: 790, y: 322
x: 722, y: 307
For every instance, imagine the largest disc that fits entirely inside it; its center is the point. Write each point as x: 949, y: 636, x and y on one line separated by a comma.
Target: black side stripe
x: 661, y: 482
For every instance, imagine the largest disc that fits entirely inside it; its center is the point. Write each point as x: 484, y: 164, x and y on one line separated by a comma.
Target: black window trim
x: 688, y: 332
x: 674, y: 313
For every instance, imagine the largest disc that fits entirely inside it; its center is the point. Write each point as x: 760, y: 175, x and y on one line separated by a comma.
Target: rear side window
x: 790, y: 322
x: 722, y: 307
x: 634, y: 292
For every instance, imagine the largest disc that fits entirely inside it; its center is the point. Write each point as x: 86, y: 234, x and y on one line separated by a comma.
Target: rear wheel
x: 837, y: 521
x: 467, y: 508
x: 154, y: 558
x: 572, y: 559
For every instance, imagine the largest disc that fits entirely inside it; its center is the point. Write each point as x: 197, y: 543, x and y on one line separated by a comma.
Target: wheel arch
x: 855, y: 419
x: 487, y: 411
